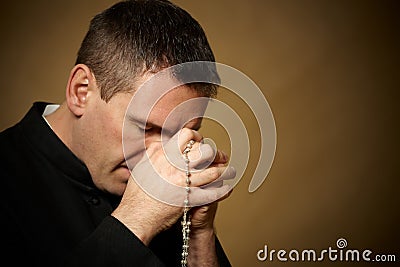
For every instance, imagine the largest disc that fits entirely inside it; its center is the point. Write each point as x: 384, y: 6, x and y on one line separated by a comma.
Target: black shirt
x: 53, y: 215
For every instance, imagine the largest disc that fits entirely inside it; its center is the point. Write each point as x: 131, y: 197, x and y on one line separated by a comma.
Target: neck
x: 62, y: 121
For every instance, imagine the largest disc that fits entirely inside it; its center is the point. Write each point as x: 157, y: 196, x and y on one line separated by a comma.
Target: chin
x: 116, y: 183
x: 117, y: 189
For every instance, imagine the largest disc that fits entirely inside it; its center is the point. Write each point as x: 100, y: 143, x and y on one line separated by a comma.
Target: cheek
x: 133, y: 144
x: 109, y: 130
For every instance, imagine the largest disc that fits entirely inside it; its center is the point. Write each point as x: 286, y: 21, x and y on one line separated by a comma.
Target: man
x: 69, y: 196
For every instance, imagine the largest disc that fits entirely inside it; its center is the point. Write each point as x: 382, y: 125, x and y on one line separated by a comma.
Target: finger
x: 212, y: 174
x: 200, y: 196
x: 220, y: 157
x: 174, y: 146
x: 201, y: 156
x: 226, y: 195
x: 217, y: 185
x: 185, y: 135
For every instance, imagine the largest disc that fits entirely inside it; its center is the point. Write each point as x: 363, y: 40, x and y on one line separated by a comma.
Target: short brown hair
x: 133, y: 37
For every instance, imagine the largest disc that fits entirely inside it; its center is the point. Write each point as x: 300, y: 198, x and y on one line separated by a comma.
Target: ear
x: 80, y: 83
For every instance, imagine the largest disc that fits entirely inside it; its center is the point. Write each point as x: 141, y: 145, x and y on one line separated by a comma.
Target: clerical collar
x: 48, y: 110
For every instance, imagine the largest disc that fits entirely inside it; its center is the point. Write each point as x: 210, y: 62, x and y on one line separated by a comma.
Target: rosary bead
x: 186, y: 218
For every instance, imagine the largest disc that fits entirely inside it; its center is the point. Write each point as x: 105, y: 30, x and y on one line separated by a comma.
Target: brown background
x: 330, y: 72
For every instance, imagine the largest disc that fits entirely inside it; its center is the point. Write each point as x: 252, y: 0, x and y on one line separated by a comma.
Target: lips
x: 122, y: 165
x: 125, y: 169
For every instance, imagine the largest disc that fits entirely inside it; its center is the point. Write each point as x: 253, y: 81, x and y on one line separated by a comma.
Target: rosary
x: 186, y: 217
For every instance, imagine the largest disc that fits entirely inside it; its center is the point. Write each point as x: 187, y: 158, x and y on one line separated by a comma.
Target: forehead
x: 175, y: 108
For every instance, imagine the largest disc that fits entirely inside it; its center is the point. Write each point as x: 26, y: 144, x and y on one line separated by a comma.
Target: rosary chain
x: 186, y: 216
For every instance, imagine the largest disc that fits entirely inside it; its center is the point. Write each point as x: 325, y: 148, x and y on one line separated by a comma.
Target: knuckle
x: 185, y: 132
x: 153, y: 147
x: 206, y: 151
x: 213, y: 173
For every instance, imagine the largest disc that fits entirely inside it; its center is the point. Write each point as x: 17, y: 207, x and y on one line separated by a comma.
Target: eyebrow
x: 145, y: 124
x: 140, y: 121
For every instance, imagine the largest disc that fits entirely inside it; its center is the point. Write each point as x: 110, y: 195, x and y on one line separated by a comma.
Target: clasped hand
x: 153, y: 199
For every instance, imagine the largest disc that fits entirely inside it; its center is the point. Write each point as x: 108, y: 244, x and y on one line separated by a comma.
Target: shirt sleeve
x: 112, y: 244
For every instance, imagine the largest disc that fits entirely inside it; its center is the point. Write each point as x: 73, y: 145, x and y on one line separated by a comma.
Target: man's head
x: 125, y: 45
x: 134, y: 37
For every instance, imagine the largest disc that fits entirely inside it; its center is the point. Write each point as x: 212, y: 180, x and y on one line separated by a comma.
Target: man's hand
x: 153, y: 200
x: 202, y: 251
